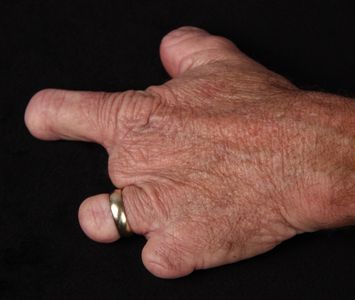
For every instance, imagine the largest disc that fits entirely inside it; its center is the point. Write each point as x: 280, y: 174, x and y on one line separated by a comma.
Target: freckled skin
x: 221, y: 163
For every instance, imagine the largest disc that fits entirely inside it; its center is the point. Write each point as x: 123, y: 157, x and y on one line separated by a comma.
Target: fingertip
x: 169, y: 53
x: 96, y: 219
x: 188, y: 47
x: 35, y: 115
x: 164, y: 259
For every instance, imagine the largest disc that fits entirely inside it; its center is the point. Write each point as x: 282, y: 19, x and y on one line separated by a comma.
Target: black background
x: 113, y: 45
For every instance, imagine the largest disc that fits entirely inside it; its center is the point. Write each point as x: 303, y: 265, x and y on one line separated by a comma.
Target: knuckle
x: 138, y: 107
x: 159, y: 202
x: 118, y: 114
x: 104, y: 120
x: 137, y: 118
x: 136, y: 210
x: 145, y: 208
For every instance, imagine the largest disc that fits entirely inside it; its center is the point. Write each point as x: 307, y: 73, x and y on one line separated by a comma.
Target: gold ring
x: 118, y: 214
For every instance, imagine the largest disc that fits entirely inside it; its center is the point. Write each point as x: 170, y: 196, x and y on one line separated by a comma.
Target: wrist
x: 325, y: 197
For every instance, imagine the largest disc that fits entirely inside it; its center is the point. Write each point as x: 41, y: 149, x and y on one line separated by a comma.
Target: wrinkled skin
x: 221, y: 163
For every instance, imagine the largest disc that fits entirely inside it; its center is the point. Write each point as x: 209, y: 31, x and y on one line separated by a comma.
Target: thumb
x: 189, y: 47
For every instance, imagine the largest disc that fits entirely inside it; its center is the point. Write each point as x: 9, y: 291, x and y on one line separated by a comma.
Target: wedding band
x: 118, y: 214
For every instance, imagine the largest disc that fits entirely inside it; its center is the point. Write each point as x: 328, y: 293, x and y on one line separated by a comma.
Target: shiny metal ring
x: 118, y: 214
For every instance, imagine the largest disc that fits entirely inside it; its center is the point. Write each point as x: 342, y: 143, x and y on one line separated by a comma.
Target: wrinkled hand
x: 216, y: 165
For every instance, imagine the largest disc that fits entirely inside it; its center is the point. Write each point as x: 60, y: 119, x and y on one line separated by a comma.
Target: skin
x: 221, y: 163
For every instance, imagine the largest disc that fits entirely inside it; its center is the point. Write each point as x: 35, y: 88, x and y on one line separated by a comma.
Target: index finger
x: 71, y: 115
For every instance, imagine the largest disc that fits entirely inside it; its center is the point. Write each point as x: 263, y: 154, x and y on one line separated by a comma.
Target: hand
x: 221, y: 163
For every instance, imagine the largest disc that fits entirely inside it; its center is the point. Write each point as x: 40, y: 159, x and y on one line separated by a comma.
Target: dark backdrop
x: 113, y: 45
